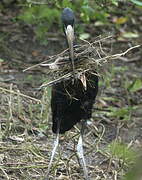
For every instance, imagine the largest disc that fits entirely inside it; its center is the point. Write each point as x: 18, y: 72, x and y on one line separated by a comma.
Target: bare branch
x: 20, y: 94
x: 87, y: 57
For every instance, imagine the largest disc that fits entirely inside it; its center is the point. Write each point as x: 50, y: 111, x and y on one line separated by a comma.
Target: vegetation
x: 45, y: 16
x: 113, y: 138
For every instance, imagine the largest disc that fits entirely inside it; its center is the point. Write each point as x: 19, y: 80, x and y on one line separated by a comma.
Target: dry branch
x: 20, y: 94
x: 87, y: 58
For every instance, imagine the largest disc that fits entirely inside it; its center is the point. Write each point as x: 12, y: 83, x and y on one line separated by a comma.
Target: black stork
x: 71, y: 102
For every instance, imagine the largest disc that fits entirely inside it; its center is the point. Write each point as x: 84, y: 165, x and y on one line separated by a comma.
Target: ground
x: 26, y: 138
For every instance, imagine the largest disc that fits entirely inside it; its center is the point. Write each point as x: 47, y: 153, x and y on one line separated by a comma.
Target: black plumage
x: 70, y: 101
x: 68, y: 17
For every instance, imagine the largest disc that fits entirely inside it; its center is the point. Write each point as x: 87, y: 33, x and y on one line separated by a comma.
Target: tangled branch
x: 87, y: 57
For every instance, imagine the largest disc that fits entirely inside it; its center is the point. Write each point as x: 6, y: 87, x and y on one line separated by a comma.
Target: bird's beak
x: 70, y: 38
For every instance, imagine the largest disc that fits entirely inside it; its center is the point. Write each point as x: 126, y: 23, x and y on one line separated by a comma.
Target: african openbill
x: 71, y: 102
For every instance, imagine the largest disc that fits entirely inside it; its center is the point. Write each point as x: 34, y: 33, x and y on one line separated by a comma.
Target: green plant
x: 43, y: 16
x: 135, y: 85
x: 122, y: 151
x: 138, y: 3
x: 134, y: 172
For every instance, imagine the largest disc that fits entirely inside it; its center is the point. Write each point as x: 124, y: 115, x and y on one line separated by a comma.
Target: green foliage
x: 138, y: 3
x: 1, y: 60
x: 130, y: 35
x: 134, y: 172
x: 135, y: 85
x: 43, y: 16
x: 115, y: 2
x: 122, y: 151
x: 121, y: 113
x: 84, y: 36
x: 93, y: 10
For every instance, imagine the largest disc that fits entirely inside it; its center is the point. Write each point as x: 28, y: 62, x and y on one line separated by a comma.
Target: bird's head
x: 68, y: 20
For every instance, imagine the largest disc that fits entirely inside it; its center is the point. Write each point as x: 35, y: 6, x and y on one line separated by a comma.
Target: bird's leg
x: 80, y: 151
x: 55, y: 145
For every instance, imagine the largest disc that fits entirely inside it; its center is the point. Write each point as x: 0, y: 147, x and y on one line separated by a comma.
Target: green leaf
x: 121, y: 20
x: 86, y: 13
x: 135, y: 86
x: 66, y: 3
x: 99, y: 23
x: 139, y: 3
x: 119, y: 112
x: 84, y: 36
x: 43, y: 127
x: 115, y: 2
x: 130, y: 35
x: 1, y: 60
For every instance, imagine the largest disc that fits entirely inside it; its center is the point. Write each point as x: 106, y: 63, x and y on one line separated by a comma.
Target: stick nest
x: 87, y: 58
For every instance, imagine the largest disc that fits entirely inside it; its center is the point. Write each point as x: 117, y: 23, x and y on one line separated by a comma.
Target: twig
x: 20, y: 94
x: 24, y: 167
x: 63, y: 52
x: 55, y: 81
x: 50, y: 58
x: 65, y: 77
x: 86, y: 57
x: 116, y: 56
x: 125, y: 52
x: 4, y: 172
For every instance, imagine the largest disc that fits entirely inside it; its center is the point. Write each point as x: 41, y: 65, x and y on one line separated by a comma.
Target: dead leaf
x: 35, y: 53
x: 120, y: 20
